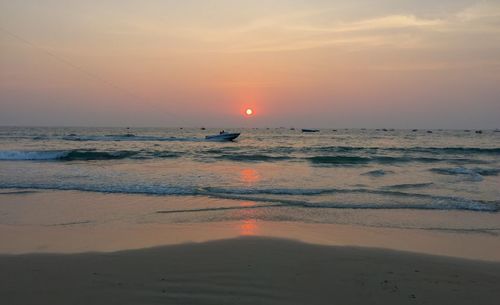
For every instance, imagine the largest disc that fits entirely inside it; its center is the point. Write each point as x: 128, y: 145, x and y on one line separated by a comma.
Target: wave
x: 408, y: 185
x: 437, y: 203
x: 478, y: 171
x: 270, y: 191
x: 377, y: 173
x: 31, y: 155
x: 252, y: 157
x: 430, y: 150
x: 429, y: 202
x: 83, y: 155
x: 65, y: 155
x: 457, y: 150
x: 339, y: 160
x: 230, y: 154
x: 358, y: 160
x: 127, y: 137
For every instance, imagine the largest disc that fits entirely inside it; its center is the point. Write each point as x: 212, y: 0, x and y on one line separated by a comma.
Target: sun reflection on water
x: 249, y: 176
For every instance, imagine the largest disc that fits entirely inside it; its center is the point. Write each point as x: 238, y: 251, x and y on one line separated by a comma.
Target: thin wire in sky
x: 84, y: 71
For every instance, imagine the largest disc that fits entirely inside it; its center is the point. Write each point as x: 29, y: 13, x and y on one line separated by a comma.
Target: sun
x: 249, y: 111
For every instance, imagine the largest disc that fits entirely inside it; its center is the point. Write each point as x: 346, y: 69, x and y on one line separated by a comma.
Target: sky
x: 309, y: 63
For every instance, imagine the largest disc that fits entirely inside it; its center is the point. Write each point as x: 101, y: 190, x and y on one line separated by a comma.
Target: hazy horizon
x: 317, y: 64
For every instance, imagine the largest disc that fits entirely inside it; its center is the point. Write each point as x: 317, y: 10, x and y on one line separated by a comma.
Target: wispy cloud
x: 299, y: 31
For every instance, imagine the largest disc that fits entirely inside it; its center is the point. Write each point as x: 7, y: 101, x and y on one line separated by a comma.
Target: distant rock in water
x: 415, y: 130
x: 429, y: 131
x: 479, y: 131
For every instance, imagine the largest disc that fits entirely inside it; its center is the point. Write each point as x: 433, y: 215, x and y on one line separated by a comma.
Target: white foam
x: 31, y: 155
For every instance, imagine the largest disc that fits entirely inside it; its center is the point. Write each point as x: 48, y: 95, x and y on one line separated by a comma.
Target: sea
x: 283, y: 174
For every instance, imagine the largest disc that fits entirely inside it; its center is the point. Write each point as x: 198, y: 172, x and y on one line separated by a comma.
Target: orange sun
x: 249, y: 112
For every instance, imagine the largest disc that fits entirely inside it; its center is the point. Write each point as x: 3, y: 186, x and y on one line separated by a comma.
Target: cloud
x: 296, y: 29
x: 479, y: 11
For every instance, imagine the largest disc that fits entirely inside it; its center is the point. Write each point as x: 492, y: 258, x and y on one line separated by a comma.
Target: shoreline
x: 76, y: 222
x: 247, y: 270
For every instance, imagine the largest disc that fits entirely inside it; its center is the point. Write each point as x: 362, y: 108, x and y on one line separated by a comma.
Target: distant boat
x: 310, y: 130
x: 223, y: 136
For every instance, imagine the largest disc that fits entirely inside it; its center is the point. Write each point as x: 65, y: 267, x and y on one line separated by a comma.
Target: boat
x: 310, y: 130
x: 223, y: 136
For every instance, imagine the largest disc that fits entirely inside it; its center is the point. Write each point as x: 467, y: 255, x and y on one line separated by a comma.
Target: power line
x: 82, y: 70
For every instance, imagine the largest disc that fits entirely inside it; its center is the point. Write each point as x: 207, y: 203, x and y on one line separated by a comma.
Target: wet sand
x: 77, y: 222
x: 247, y: 270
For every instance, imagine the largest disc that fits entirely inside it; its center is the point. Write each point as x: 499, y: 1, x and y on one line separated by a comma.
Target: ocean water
x: 286, y: 174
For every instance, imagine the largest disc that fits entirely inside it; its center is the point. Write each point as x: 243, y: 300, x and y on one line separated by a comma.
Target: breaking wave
x: 284, y: 196
x: 67, y: 155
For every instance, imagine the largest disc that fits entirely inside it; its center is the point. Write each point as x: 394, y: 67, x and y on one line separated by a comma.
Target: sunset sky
x: 314, y: 63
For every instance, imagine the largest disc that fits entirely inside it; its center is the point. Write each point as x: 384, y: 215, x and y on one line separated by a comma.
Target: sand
x: 247, y: 270
x: 76, y: 222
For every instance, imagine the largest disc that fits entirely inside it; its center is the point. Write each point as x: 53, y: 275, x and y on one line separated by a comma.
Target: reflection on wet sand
x: 248, y: 225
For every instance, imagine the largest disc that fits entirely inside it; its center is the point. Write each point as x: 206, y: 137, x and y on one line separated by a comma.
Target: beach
x: 67, y: 247
x: 95, y: 216
x: 249, y: 152
x: 247, y: 270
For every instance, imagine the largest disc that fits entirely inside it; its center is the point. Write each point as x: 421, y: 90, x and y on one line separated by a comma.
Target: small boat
x: 223, y: 136
x: 310, y: 130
